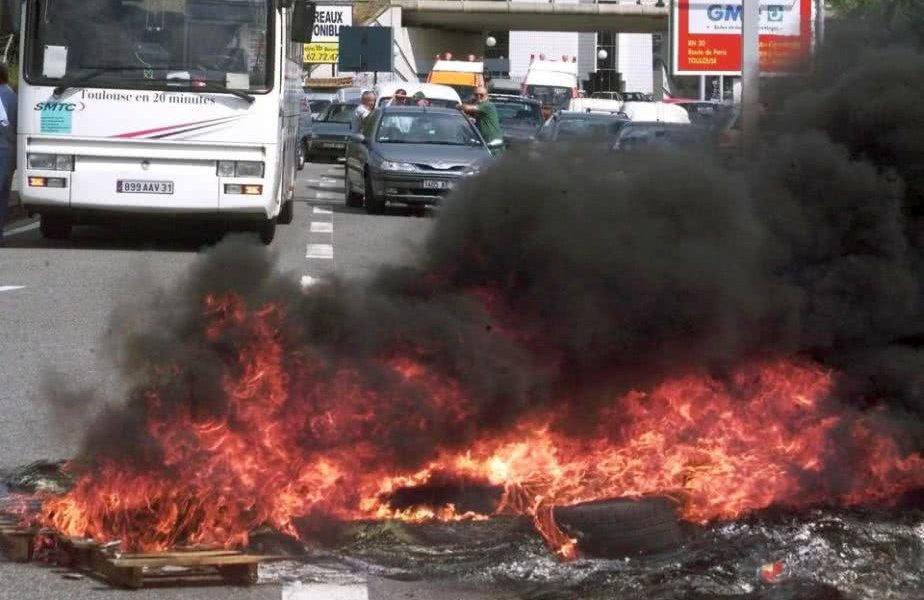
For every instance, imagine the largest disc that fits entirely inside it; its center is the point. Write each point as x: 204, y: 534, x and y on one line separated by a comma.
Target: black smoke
x: 562, y: 276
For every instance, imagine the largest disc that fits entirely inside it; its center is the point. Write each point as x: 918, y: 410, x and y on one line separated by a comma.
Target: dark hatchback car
x: 330, y: 132
x: 564, y: 126
x: 661, y: 136
x: 411, y: 155
x: 520, y: 117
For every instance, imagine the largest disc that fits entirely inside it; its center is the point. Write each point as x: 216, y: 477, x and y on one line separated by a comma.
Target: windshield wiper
x: 96, y: 72
x: 210, y: 87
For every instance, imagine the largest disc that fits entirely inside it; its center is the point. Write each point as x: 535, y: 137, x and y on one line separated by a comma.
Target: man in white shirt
x: 365, y: 108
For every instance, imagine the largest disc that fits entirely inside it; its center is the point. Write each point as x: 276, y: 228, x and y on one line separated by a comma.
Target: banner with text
x: 324, y: 46
x: 707, y: 36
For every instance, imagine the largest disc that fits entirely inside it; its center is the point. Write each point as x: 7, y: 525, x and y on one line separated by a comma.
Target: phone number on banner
x: 322, y: 52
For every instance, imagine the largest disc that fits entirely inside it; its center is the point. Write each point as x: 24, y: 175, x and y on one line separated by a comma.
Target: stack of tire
x: 621, y: 527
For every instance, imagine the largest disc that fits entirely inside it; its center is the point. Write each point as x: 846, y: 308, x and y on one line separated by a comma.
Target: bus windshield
x: 157, y: 44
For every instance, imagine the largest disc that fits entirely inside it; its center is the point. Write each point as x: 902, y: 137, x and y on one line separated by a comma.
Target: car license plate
x: 436, y: 184
x: 135, y: 186
x: 333, y: 145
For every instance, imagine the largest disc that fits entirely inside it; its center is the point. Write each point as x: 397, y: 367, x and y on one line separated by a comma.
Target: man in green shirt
x: 485, y: 115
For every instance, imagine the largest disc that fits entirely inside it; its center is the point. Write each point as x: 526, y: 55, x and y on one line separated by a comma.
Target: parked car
x: 708, y: 114
x: 330, y: 132
x: 520, y: 117
x: 639, y: 136
x: 565, y: 125
x: 411, y: 155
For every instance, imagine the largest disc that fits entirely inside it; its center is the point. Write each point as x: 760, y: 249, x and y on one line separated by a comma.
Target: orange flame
x: 281, y: 450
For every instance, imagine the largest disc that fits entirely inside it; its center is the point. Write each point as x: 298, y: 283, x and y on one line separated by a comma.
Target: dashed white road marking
x: 325, y: 591
x: 322, y: 227
x: 11, y: 288
x: 22, y: 229
x: 322, y: 211
x: 325, y: 251
x: 308, y: 281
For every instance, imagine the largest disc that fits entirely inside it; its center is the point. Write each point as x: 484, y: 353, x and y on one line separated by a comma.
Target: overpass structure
x: 423, y: 28
x: 529, y: 15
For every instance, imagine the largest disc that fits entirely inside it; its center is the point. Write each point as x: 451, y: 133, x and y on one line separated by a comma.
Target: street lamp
x: 490, y: 42
x: 603, y: 54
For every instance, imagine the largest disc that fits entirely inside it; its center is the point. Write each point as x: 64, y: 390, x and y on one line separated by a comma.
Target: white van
x: 437, y: 94
x: 551, y: 82
x: 655, y: 112
x: 595, y: 105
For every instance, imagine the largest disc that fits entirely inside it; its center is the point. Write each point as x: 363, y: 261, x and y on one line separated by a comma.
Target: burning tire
x: 622, y: 527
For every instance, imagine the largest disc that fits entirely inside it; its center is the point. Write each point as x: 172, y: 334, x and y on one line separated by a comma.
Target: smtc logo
x: 732, y: 12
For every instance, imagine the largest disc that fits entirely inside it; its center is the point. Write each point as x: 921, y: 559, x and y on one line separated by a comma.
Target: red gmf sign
x: 706, y: 36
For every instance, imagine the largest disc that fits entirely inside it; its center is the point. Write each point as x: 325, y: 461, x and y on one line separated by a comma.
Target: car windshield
x: 427, y: 128
x: 338, y: 113
x: 318, y: 106
x: 519, y: 113
x: 554, y: 96
x: 146, y: 43
x: 589, y: 127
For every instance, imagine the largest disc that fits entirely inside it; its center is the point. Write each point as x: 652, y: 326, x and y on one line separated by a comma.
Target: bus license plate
x: 436, y: 184
x: 134, y: 186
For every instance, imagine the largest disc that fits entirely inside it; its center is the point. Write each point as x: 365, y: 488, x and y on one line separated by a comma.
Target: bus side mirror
x: 303, y: 12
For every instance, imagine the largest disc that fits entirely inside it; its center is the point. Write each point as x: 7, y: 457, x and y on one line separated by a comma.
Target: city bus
x: 175, y: 108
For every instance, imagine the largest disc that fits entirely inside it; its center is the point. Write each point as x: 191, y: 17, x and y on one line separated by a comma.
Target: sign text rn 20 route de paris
x: 706, y: 36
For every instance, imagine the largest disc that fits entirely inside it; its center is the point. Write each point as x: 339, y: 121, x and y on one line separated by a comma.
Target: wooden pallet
x: 16, y: 541
x: 176, y: 568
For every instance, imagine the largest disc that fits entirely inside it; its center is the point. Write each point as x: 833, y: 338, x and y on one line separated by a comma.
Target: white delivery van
x: 551, y: 82
x: 595, y: 105
x: 655, y: 112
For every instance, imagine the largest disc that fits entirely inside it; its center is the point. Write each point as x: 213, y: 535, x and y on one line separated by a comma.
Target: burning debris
x: 721, y: 338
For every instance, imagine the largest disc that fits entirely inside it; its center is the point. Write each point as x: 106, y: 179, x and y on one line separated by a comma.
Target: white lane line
x: 322, y: 227
x: 322, y: 211
x: 308, y: 281
x: 11, y: 288
x: 325, y: 251
x: 23, y: 229
x: 325, y: 591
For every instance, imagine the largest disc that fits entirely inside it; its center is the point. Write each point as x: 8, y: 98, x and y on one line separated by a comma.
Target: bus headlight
x: 51, y: 162
x: 249, y: 169
x: 240, y: 168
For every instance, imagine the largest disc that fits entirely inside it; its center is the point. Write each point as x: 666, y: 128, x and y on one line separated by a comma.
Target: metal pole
x: 702, y: 88
x: 721, y: 88
x: 750, y: 68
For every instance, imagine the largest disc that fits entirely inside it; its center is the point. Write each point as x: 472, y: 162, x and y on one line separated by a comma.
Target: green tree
x: 894, y: 14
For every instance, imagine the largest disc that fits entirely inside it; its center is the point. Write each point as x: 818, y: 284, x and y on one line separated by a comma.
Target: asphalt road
x: 55, y: 305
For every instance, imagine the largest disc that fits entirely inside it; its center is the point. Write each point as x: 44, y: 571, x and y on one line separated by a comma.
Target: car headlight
x: 240, y: 168
x: 389, y: 165
x: 51, y: 162
x: 471, y: 170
